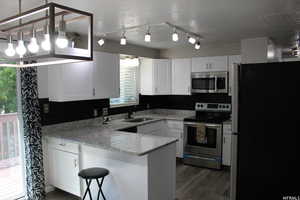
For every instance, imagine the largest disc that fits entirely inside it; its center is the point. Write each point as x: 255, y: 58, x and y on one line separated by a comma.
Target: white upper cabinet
x: 208, y: 64
x: 96, y: 79
x: 71, y: 82
x: 155, y: 76
x: 181, y: 76
x: 106, y: 75
x: 235, y: 59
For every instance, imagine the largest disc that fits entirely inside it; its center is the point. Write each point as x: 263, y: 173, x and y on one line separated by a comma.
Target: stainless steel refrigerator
x: 266, y: 130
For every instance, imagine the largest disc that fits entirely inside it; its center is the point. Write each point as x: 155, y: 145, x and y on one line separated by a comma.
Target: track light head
x: 101, y: 41
x: 197, y: 45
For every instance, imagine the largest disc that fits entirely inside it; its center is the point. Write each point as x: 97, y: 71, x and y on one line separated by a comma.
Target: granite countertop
x: 92, y: 132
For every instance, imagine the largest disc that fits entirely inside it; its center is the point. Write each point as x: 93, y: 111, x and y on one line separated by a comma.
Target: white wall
x: 206, y: 50
x: 254, y: 50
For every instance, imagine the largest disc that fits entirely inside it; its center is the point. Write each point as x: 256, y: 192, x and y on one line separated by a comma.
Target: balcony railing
x: 9, y: 140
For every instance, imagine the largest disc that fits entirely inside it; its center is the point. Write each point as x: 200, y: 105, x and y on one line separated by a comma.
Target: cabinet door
x: 218, y: 63
x: 146, y: 76
x: 181, y: 76
x: 71, y: 82
x: 200, y: 64
x: 236, y: 59
x: 162, y: 76
x: 106, y: 75
x: 208, y: 64
x: 66, y: 167
x: 226, y: 154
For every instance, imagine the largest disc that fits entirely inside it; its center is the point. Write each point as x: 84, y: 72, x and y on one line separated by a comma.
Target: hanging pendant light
x: 10, y: 51
x: 61, y: 40
x: 46, y: 44
x: 191, y: 40
x: 21, y: 49
x: 33, y: 46
x: 56, y: 48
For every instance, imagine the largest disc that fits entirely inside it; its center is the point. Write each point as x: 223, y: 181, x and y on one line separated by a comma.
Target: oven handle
x: 192, y: 156
x: 208, y: 125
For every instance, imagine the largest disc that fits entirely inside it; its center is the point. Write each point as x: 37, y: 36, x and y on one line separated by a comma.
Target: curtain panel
x: 34, y: 169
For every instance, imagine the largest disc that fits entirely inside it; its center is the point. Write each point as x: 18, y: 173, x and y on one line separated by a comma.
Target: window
x: 129, y: 69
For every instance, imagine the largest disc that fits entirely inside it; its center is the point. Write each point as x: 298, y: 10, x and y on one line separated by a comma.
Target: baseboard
x: 49, y: 188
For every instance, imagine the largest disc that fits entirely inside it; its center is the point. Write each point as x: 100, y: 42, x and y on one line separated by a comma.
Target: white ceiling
x: 218, y: 21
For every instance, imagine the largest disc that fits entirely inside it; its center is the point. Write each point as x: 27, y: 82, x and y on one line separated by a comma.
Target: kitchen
x: 153, y: 104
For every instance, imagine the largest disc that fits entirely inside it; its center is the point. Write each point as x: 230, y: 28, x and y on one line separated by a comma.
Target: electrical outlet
x: 46, y: 108
x: 104, y: 111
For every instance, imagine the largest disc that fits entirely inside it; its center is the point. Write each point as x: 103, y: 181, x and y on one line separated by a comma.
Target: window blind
x: 128, y: 85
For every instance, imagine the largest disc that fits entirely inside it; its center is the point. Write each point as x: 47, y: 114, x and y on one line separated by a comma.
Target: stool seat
x: 93, y: 173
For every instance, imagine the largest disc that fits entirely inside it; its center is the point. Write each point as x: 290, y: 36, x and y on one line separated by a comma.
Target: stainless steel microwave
x: 209, y: 82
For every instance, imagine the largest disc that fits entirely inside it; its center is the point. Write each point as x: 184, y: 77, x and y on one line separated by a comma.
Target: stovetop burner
x: 210, y: 113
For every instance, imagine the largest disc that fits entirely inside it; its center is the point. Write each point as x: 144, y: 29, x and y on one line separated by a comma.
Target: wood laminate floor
x: 192, y: 183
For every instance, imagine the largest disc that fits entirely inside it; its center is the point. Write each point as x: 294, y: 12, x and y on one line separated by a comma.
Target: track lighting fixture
x: 123, y: 39
x: 175, y: 36
x: 101, y: 41
x: 148, y: 36
x: 10, y: 51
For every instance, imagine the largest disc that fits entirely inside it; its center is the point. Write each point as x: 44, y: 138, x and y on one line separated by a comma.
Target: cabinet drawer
x: 61, y: 144
x: 175, y: 124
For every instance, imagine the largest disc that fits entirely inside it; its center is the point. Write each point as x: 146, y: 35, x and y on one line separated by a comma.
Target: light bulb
x: 123, y: 40
x: 197, y: 45
x: 46, y: 45
x: 175, y: 36
x: 148, y: 37
x: 33, y: 46
x: 101, y: 42
x: 10, y: 51
x: 62, y: 41
x: 21, y: 49
x: 192, y: 40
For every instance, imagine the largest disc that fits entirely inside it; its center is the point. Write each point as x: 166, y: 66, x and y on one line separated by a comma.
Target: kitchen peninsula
x: 142, y: 167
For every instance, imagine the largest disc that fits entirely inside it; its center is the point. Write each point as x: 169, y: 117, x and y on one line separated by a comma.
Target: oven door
x: 206, y: 82
x: 212, y: 143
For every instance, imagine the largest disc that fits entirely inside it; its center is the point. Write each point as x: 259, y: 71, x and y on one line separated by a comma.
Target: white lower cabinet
x: 226, y: 153
x: 63, y: 166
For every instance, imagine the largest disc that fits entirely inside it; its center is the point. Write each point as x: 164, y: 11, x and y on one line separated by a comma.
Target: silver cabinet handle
x: 75, y: 163
x: 94, y: 92
x: 62, y: 144
x: 224, y: 140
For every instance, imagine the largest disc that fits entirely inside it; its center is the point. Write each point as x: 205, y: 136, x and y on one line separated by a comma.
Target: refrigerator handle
x: 235, y: 133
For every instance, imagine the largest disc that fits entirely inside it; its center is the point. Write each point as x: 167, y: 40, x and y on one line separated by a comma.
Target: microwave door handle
x: 216, y: 82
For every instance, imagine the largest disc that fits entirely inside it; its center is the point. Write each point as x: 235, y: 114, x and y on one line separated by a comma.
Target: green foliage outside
x: 8, y: 99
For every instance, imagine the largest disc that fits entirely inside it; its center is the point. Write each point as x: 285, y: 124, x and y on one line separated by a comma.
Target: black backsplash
x: 77, y: 110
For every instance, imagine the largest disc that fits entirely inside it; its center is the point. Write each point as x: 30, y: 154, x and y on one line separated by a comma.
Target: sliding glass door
x: 11, y: 150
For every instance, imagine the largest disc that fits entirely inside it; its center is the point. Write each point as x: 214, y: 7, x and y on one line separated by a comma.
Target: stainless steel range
x: 203, y: 135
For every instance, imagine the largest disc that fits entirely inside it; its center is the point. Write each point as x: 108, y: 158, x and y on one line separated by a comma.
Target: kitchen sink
x: 139, y: 119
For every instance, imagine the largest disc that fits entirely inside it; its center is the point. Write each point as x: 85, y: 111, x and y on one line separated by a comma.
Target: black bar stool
x: 90, y: 174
